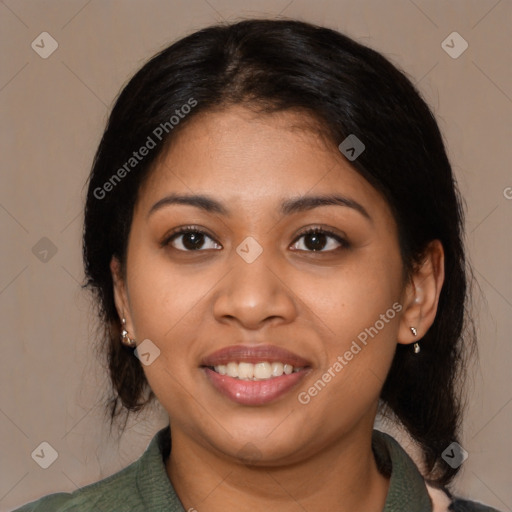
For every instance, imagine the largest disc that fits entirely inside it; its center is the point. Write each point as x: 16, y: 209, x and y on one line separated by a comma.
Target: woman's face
x: 255, y: 289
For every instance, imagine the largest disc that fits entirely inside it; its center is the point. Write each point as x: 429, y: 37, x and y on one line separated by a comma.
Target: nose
x: 254, y: 294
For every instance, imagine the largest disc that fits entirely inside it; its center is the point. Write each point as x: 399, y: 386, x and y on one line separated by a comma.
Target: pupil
x: 195, y: 239
x: 317, y: 239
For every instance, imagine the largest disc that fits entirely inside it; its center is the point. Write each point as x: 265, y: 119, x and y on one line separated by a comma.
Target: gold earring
x: 416, y: 346
x: 129, y: 342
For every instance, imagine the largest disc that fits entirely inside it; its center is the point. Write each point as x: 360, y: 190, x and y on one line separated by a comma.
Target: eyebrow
x: 288, y: 207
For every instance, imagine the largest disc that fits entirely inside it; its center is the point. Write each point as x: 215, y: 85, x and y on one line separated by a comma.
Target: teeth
x: 259, y: 371
x: 262, y: 371
x: 231, y: 369
x: 222, y: 369
x: 245, y: 371
x: 277, y: 369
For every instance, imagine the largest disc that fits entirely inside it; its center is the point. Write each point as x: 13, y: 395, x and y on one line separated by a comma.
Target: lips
x: 254, y: 354
x: 254, y: 392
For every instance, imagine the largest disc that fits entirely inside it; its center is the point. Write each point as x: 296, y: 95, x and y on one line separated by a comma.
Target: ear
x: 421, y: 295
x: 120, y: 293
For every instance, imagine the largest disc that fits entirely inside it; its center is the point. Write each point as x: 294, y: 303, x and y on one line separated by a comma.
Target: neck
x: 342, y: 477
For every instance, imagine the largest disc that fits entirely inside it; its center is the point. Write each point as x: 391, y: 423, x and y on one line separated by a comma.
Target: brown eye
x: 189, y: 240
x: 318, y: 239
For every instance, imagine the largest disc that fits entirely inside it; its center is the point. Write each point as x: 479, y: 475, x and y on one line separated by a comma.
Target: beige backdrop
x: 53, y: 113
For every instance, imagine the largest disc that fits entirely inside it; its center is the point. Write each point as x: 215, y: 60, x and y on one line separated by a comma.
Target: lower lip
x: 254, y: 392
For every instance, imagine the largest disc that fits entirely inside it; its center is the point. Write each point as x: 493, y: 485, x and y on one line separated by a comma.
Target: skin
x: 306, y: 457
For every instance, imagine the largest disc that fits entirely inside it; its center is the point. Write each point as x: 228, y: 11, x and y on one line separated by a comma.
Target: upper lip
x: 254, y: 354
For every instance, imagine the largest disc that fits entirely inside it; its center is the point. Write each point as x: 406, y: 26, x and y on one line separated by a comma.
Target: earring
x: 416, y: 346
x: 129, y: 342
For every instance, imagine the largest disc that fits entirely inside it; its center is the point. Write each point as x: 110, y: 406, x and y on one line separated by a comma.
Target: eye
x: 193, y: 239
x: 316, y: 239
x: 189, y: 239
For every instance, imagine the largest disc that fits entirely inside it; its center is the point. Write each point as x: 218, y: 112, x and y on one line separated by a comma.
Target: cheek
x: 168, y: 304
x: 355, y: 295
x: 357, y: 309
x: 164, y: 295
x: 361, y: 310
x: 165, y: 306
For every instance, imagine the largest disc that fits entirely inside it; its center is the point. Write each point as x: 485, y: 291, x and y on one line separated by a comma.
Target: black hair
x: 279, y: 65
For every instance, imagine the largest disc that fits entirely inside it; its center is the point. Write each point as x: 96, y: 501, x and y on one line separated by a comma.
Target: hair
x: 281, y: 65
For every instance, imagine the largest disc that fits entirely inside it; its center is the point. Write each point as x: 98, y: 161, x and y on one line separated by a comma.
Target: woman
x: 273, y: 234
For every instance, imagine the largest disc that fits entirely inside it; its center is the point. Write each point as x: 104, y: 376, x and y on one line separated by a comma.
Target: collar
x: 407, y: 488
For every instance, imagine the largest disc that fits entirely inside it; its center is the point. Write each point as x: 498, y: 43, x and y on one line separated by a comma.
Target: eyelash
x: 324, y: 231
x: 344, y: 244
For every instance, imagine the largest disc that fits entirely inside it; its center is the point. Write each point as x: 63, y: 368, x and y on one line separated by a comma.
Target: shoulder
x: 443, y: 501
x: 51, y: 502
x: 143, y: 485
x: 460, y: 505
x: 407, y: 484
x: 117, y: 490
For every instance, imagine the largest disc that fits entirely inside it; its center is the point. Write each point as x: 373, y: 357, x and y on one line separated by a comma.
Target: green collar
x: 407, y: 490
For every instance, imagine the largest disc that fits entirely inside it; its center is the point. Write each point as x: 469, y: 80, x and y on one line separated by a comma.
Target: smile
x: 254, y: 374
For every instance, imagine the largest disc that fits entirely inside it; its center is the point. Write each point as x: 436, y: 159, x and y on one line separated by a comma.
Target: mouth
x: 254, y: 375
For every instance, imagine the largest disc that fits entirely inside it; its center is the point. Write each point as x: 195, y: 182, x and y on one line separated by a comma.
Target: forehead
x: 252, y: 159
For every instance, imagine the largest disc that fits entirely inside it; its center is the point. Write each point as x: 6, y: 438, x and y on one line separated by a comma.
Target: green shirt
x: 144, y: 485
